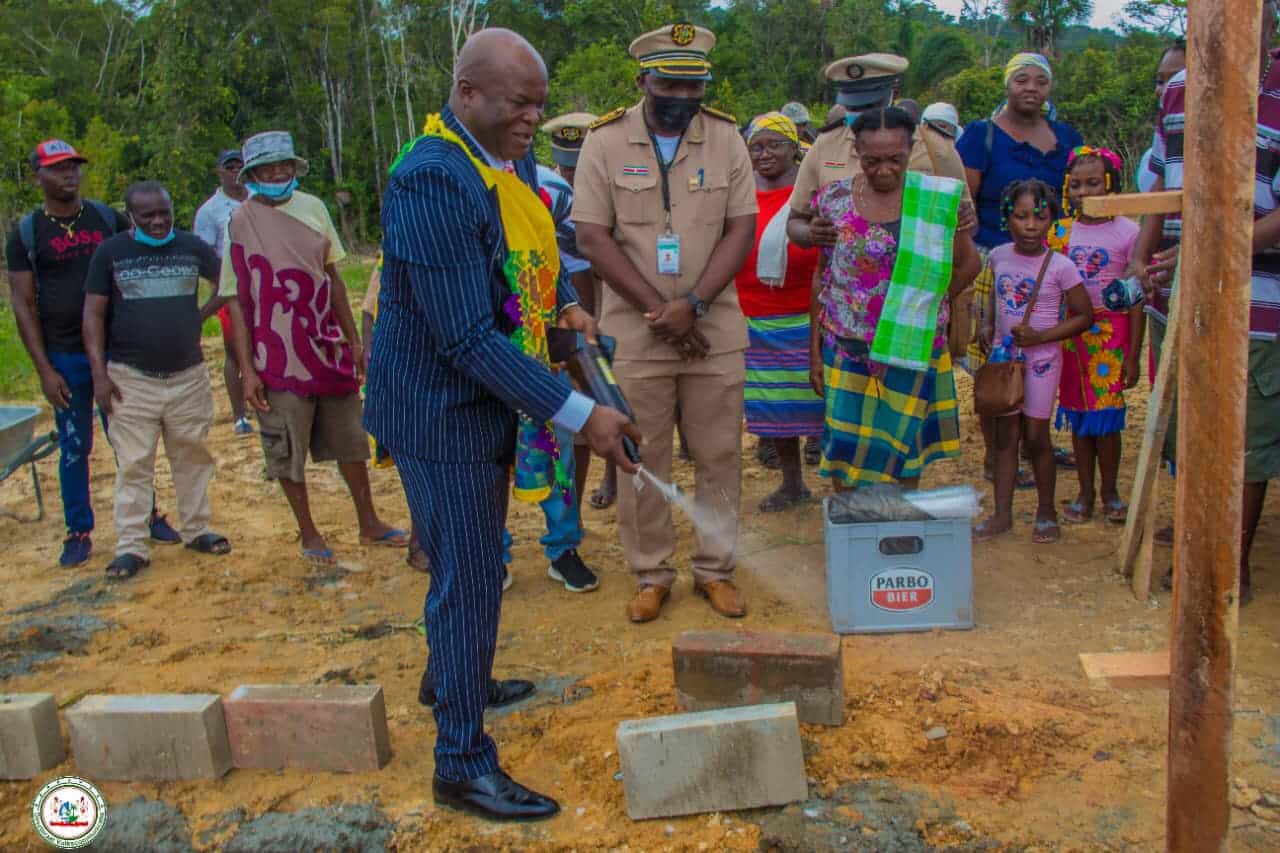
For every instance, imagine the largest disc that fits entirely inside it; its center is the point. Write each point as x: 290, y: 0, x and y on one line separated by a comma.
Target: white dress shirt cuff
x: 574, y: 413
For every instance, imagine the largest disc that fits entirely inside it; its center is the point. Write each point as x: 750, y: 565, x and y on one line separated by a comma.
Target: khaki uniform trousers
x: 708, y: 393
x: 179, y: 409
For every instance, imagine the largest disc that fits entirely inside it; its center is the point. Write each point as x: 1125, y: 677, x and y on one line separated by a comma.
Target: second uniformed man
x: 862, y: 83
x: 665, y: 211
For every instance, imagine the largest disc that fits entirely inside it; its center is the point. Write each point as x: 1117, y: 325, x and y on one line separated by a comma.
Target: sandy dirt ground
x: 1036, y: 757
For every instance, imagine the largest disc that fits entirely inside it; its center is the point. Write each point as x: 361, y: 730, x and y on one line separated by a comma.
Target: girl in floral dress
x: 1101, y: 362
x: 882, y: 423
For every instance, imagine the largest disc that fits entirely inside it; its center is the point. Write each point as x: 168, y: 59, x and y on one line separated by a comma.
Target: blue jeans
x: 75, y: 439
x: 564, y: 522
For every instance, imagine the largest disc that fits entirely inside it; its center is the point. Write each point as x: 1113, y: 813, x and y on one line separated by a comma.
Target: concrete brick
x: 732, y: 758
x: 30, y: 737
x: 723, y: 669
x: 315, y: 727
x: 149, y: 736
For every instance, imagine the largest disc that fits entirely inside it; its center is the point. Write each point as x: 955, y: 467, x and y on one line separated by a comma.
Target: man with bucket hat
x: 48, y: 256
x: 295, y: 338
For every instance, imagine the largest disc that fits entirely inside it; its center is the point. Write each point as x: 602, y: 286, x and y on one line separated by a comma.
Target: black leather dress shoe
x: 501, y: 693
x: 494, y: 797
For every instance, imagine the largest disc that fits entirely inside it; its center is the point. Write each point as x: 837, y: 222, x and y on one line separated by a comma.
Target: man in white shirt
x: 211, y: 226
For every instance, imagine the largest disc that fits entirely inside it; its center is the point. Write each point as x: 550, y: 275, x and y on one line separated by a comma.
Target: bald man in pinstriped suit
x: 445, y: 385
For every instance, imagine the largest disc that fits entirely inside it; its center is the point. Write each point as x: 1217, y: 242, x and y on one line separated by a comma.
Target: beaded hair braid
x: 1111, y: 164
x: 1045, y: 197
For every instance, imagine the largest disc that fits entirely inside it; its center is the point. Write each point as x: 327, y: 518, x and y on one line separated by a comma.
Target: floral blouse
x: 858, y: 269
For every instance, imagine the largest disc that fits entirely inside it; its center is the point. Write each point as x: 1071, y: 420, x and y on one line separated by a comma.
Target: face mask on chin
x: 674, y: 114
x: 273, y: 191
x: 154, y: 242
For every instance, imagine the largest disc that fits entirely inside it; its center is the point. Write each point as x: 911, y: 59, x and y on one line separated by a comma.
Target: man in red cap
x: 47, y: 255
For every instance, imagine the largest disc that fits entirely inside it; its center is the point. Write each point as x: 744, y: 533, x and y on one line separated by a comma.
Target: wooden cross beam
x: 1133, y: 204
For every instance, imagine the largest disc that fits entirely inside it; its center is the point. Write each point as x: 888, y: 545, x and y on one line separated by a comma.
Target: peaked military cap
x: 567, y: 133
x: 678, y: 52
x: 866, y: 80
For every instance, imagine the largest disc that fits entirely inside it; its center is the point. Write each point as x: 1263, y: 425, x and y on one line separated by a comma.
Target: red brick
x: 722, y: 669
x: 313, y: 727
x: 156, y: 737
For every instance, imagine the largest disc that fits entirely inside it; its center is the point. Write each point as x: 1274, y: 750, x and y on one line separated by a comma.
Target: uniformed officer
x: 862, y: 83
x: 665, y: 210
x: 567, y: 134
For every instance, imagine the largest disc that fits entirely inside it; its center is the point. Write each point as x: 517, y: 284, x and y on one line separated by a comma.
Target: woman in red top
x: 773, y: 290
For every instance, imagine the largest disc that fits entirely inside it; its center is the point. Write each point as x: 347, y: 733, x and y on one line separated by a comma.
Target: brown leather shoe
x: 724, y: 598
x: 647, y: 603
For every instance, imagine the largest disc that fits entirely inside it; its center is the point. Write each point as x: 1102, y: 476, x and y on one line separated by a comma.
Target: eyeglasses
x: 778, y: 146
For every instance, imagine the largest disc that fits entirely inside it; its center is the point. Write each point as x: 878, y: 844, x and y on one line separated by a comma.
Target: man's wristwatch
x: 699, y: 307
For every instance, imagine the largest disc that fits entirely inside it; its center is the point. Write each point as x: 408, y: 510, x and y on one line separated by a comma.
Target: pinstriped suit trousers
x: 460, y: 510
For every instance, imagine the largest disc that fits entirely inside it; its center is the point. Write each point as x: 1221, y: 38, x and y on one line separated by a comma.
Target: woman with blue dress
x: 1022, y: 139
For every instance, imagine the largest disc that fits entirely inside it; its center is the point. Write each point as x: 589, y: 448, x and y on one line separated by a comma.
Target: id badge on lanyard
x: 668, y: 253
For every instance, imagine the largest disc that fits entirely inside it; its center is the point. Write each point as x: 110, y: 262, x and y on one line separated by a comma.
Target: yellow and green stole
x: 532, y: 270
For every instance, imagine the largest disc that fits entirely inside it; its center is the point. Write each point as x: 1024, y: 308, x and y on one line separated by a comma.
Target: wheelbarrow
x: 18, y: 448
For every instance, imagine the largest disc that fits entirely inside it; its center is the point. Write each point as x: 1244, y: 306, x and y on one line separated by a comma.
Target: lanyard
x: 664, y: 169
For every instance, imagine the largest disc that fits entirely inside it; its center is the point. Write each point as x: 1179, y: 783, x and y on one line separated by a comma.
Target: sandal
x: 1064, y: 458
x: 320, y: 557
x: 768, y: 456
x: 393, y: 538
x: 210, y: 543
x: 984, y: 533
x: 1023, y: 481
x: 1075, y: 512
x: 603, y: 497
x: 778, y: 501
x: 126, y: 566
x: 1046, y: 532
x: 812, y: 451
x: 1117, y: 511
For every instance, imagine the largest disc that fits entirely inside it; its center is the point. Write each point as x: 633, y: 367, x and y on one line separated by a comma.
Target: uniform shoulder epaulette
x: 722, y: 116
x: 609, y: 118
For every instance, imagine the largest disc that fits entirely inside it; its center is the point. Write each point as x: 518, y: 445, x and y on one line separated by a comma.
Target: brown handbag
x: 998, y: 389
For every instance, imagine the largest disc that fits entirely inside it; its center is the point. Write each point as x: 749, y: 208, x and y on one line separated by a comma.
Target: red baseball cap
x: 54, y: 151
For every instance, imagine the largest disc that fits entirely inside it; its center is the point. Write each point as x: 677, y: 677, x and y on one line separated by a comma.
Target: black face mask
x: 674, y: 114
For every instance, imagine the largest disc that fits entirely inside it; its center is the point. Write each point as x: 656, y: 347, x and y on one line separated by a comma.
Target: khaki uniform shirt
x: 832, y: 157
x: 618, y: 185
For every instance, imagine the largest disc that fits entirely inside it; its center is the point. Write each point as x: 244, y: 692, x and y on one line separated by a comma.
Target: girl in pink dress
x: 1029, y: 209
x: 1102, y: 361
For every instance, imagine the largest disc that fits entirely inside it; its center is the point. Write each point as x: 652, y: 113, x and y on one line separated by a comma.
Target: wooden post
x: 1217, y: 230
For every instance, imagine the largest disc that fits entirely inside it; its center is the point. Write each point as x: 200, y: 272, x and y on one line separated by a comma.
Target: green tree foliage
x: 155, y: 90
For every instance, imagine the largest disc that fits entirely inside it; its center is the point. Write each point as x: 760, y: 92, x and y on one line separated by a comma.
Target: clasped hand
x: 676, y: 323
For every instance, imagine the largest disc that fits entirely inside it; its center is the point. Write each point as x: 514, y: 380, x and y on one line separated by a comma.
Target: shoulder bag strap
x: 1035, y: 290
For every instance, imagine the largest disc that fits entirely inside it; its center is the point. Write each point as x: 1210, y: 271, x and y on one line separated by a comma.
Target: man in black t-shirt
x: 47, y: 256
x: 142, y: 319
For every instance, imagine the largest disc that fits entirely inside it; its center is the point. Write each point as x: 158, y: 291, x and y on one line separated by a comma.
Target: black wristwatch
x: 699, y: 307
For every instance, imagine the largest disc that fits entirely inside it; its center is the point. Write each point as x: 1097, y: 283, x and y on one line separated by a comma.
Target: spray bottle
x: 589, y: 365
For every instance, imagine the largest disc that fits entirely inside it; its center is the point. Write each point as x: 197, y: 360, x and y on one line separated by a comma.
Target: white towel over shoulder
x: 771, y: 257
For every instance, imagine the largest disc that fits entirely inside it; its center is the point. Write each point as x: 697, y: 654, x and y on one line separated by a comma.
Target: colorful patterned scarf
x: 532, y: 270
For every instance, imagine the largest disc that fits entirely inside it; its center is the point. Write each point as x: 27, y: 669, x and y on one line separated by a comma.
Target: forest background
x: 155, y: 89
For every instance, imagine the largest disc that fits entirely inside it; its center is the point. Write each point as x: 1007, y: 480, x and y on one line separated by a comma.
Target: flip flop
x: 1025, y: 480
x: 210, y: 543
x: 1046, y: 532
x: 1074, y: 512
x: 1117, y: 511
x: 602, y: 498
x: 394, y: 538
x: 1065, y: 458
x: 981, y: 534
x: 777, y: 502
x: 321, y: 557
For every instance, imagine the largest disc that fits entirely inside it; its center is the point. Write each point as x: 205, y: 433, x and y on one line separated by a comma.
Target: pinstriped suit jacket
x: 444, y: 381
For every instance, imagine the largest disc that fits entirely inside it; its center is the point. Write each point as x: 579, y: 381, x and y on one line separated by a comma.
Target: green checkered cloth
x: 921, y: 274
